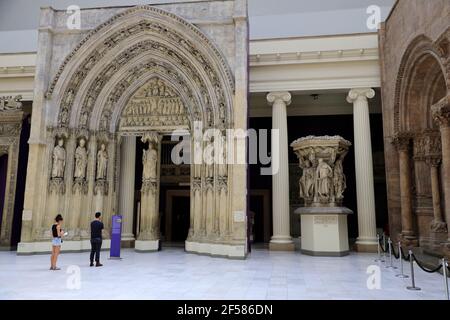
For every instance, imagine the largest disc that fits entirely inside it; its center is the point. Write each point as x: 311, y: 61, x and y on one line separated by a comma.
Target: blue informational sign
x: 116, y: 236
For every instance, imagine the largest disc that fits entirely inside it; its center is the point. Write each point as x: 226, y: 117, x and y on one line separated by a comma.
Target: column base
x: 127, y: 241
x: 282, y: 246
x: 223, y: 250
x: 409, y: 240
x: 446, y: 249
x: 366, y: 247
x: 146, y: 245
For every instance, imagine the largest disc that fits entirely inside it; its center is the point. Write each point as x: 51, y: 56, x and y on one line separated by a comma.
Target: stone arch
x: 422, y: 79
x: 129, y: 35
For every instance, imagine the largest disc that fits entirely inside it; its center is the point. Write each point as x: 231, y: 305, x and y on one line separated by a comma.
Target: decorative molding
x: 126, y: 33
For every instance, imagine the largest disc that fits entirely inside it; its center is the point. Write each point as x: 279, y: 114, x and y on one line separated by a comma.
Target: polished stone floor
x: 174, y: 274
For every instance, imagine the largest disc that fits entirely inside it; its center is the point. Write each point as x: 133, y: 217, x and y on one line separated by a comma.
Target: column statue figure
x: 324, y: 176
x: 80, y: 160
x: 102, y: 162
x: 149, y: 161
x: 339, y: 180
x: 59, y: 160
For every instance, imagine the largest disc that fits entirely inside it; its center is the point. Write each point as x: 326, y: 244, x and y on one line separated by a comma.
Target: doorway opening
x: 174, y: 195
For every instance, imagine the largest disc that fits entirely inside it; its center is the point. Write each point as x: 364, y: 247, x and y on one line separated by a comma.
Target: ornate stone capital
x: 441, y: 112
x: 4, y: 149
x: 151, y: 137
x: 275, y: 97
x: 433, y: 161
x: 402, y: 141
x: 427, y: 145
x: 10, y: 103
x: 356, y: 94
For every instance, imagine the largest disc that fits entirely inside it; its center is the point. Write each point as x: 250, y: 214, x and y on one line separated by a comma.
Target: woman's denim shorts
x: 56, y: 242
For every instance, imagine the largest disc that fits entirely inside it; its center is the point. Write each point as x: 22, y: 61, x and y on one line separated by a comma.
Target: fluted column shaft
x: 364, y: 169
x: 127, y: 179
x: 281, y: 238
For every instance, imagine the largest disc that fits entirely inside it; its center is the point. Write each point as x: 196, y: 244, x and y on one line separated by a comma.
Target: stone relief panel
x: 154, y: 105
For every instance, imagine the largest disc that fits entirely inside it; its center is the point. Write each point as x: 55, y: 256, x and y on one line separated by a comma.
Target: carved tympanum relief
x: 155, y: 104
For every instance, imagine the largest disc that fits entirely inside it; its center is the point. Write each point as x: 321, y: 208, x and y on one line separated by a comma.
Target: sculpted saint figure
x: 80, y: 160
x: 223, y: 166
x: 324, y: 175
x: 59, y: 160
x: 149, y: 161
x: 339, y: 180
x: 102, y: 162
x: 306, y: 182
x: 64, y: 116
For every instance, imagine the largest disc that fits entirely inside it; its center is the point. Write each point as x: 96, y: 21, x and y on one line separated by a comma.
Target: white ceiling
x: 268, y: 18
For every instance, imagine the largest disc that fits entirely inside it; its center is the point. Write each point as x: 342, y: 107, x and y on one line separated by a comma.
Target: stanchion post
x: 379, y: 259
x: 401, y: 274
x: 390, y: 266
x: 444, y: 271
x: 413, y: 281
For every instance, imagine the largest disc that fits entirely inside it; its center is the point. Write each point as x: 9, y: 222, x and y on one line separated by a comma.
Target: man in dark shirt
x: 96, y: 239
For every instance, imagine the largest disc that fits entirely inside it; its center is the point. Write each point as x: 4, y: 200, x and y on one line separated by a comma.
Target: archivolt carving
x: 140, y: 27
x: 418, y: 48
x: 159, y: 31
x: 135, y: 73
x: 143, y: 47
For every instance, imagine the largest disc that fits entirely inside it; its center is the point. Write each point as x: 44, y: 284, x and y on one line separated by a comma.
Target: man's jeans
x: 96, y: 245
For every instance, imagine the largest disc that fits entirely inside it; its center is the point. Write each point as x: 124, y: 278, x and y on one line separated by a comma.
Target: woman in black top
x: 57, y: 233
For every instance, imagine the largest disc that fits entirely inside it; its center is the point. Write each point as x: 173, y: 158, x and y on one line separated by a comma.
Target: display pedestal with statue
x: 324, y: 230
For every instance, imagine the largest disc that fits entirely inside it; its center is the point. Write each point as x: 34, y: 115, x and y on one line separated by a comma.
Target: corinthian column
x: 367, y: 227
x: 127, y: 177
x: 441, y: 115
x: 281, y: 238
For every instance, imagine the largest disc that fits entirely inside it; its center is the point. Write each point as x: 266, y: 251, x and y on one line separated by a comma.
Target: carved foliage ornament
x: 402, y: 141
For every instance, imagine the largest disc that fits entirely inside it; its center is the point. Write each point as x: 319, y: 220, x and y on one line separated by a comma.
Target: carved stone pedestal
x: 324, y: 231
x: 322, y: 185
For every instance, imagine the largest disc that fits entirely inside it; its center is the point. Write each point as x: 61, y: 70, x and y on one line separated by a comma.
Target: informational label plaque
x: 116, y: 236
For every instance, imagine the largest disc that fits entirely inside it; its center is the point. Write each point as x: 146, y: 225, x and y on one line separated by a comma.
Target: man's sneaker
x: 98, y: 264
x: 91, y: 265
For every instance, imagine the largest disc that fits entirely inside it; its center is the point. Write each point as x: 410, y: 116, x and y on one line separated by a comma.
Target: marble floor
x: 174, y: 274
